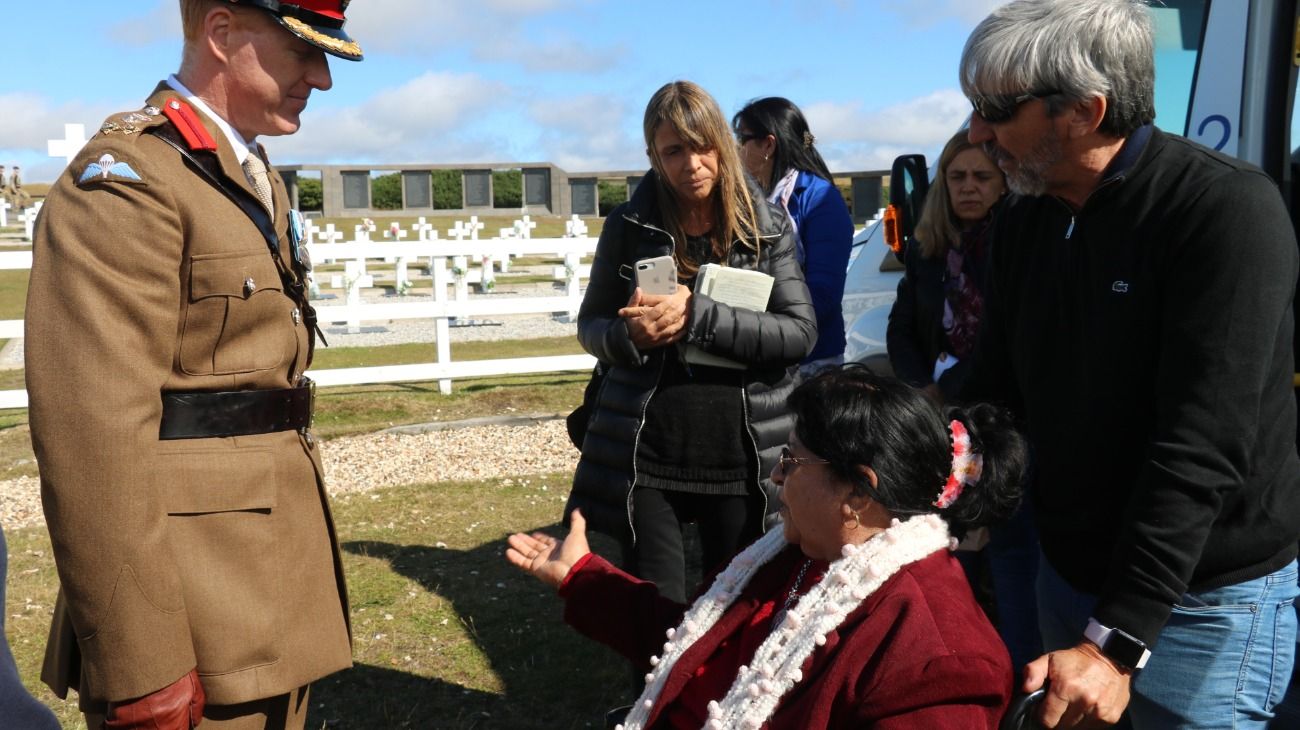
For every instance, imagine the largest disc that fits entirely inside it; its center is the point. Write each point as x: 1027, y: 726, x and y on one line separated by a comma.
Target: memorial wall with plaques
x: 478, y: 189
x: 537, y: 187
x: 356, y: 190
x: 417, y: 189
x: 585, y: 200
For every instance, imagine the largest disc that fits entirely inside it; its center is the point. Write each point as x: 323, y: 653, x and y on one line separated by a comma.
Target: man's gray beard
x: 1030, y: 175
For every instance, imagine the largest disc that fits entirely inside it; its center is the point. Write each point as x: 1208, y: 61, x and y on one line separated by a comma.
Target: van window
x: 1179, y: 26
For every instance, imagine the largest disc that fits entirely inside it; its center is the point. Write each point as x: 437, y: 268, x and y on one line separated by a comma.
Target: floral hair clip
x: 966, y: 466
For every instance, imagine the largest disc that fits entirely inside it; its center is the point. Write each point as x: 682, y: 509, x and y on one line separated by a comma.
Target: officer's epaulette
x: 112, y: 149
x: 128, y: 126
x: 188, y: 123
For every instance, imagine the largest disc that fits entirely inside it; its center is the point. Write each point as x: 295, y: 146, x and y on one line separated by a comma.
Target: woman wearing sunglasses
x: 852, y: 615
x: 777, y: 148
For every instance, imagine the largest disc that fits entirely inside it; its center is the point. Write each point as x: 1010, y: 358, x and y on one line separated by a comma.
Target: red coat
x: 918, y: 653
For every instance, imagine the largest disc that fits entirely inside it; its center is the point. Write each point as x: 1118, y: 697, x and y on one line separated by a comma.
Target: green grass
x: 13, y: 293
x: 445, y: 633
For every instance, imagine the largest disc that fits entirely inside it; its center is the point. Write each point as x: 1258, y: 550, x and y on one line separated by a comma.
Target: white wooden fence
x: 452, y: 263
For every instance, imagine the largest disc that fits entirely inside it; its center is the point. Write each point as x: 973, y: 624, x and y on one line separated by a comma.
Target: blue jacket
x: 826, y: 229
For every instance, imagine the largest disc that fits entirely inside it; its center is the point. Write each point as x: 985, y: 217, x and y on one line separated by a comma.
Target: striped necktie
x: 255, y: 169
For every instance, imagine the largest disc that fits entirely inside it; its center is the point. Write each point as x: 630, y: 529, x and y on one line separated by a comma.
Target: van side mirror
x: 909, y: 182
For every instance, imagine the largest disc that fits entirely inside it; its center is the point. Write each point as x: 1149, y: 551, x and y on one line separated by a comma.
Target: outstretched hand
x: 549, y: 559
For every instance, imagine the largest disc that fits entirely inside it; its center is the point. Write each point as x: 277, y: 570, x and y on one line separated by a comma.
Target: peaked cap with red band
x: 319, y: 22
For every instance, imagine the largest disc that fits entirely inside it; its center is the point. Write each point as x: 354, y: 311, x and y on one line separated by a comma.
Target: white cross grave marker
x: 575, y: 228
x: 28, y: 217
x: 424, y: 231
x: 309, y: 231
x: 4, y: 213
x: 331, y: 235
x: 526, y: 226
x: 474, y: 227
x: 458, y: 231
x: 74, y: 138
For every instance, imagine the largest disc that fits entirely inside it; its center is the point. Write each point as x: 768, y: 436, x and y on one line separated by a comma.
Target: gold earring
x: 856, y: 521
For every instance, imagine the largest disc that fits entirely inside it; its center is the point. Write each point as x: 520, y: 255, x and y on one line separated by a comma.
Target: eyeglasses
x: 787, y: 458
x: 998, y: 108
x: 741, y: 139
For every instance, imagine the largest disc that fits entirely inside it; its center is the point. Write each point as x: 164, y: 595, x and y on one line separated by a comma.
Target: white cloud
x: 162, y: 23
x: 916, y: 122
x: 925, y: 13
x: 853, y: 138
x: 28, y: 120
x: 589, y: 133
x: 431, y: 118
x: 492, y: 30
x: 557, y: 54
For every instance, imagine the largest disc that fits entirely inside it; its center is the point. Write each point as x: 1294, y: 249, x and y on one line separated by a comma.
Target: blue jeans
x: 1223, y: 659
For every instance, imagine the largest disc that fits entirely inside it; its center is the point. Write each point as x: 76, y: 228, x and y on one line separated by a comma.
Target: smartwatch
x: 1121, y: 647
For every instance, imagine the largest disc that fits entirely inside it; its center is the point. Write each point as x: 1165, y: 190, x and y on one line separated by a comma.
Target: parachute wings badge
x: 108, y: 168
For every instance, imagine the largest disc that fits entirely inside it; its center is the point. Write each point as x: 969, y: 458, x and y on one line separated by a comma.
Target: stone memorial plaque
x: 584, y: 195
x: 418, y: 189
x: 866, y: 198
x: 537, y: 187
x: 356, y: 190
x: 478, y: 189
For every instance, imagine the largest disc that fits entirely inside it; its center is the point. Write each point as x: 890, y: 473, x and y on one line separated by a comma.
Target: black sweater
x: 1146, y: 341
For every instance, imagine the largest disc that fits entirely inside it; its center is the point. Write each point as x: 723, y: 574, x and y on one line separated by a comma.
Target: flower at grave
x: 458, y: 272
x: 369, y: 224
x: 489, y: 284
x: 403, y: 287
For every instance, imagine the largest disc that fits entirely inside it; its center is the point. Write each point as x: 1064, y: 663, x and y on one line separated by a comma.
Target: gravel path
x: 359, y: 464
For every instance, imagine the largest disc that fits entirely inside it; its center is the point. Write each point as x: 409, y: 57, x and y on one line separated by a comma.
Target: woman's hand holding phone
x: 655, y: 320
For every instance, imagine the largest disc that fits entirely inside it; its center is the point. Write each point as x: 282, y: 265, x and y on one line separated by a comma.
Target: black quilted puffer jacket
x: 770, y: 342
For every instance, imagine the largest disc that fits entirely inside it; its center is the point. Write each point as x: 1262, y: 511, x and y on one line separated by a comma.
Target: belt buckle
x: 311, y: 401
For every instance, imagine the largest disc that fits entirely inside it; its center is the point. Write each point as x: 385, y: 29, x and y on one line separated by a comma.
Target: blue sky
x: 563, y: 81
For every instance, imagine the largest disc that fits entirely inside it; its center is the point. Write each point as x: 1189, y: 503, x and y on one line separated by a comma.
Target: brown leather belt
x: 203, y: 414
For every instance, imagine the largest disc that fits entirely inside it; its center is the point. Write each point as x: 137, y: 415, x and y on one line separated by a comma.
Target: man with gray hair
x: 1139, y: 318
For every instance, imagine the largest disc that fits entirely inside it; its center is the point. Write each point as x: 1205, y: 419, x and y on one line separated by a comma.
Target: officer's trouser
x: 286, y: 712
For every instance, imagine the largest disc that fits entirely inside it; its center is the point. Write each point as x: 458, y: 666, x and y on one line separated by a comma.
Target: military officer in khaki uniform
x: 167, y: 335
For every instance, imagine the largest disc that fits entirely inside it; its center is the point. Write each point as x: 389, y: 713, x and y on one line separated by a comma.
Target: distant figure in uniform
x: 18, y: 197
x: 5, y: 193
x: 167, y: 335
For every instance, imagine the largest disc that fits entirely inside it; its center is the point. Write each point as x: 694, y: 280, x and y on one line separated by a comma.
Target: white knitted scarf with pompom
x: 775, y: 668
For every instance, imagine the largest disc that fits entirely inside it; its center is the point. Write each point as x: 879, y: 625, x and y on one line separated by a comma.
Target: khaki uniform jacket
x: 218, y: 553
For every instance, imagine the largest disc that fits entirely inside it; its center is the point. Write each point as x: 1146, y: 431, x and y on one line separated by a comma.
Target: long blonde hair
x: 938, y: 229
x: 698, y: 120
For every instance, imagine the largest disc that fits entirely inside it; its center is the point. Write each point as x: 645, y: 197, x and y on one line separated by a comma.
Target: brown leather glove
x: 178, y: 706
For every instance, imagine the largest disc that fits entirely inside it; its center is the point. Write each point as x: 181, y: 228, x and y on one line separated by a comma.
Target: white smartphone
x: 657, y: 275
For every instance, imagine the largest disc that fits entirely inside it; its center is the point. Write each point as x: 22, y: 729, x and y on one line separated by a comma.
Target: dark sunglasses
x: 998, y: 108
x: 741, y: 139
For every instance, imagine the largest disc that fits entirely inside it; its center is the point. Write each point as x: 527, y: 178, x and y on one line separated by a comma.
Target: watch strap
x: 1125, y: 649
